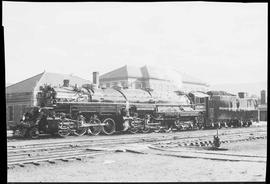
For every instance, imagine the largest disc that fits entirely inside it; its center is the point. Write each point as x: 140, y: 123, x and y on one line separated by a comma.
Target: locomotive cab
x: 200, y: 102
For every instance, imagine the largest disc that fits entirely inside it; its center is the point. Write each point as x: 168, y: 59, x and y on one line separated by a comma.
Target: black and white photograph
x: 136, y: 91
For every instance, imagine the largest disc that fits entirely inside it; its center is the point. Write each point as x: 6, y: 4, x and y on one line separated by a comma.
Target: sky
x: 214, y: 42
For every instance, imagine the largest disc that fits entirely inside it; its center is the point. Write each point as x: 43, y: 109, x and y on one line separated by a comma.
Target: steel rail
x: 114, y: 141
x: 10, y: 147
x: 76, y: 153
x: 185, y: 141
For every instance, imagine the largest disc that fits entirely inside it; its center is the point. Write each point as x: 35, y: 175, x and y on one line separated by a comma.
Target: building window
x: 10, y: 113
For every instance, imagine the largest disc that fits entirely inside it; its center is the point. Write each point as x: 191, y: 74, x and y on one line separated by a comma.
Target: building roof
x: 150, y: 72
x: 190, y: 79
x: 124, y: 72
x: 26, y: 85
x: 8, y: 84
x: 159, y: 73
x: 53, y: 79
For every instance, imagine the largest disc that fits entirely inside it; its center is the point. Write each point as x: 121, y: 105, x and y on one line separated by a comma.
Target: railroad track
x: 201, y: 143
x: 51, y: 157
x: 36, y: 153
x: 175, y: 149
x: 78, y: 153
x: 105, y: 142
x: 117, y: 137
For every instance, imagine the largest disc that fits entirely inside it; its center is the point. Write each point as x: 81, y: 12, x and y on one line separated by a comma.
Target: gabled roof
x: 53, y: 79
x: 26, y: 85
x: 160, y: 73
x: 124, y: 72
x: 163, y: 73
x: 150, y: 72
x: 56, y: 79
x: 189, y: 79
x: 8, y: 84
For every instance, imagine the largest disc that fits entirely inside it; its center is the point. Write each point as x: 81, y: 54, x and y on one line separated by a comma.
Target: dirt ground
x: 132, y: 167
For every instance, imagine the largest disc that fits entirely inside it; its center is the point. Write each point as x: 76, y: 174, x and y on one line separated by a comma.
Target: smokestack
x: 96, y: 78
x: 263, y: 97
x: 66, y: 83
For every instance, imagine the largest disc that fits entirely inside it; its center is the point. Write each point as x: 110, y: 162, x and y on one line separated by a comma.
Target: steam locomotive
x: 88, y: 109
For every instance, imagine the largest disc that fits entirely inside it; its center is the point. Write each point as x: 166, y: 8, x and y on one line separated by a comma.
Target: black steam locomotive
x: 88, y: 109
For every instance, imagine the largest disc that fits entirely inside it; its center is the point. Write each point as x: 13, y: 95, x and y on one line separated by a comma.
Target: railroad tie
x: 120, y: 150
x: 35, y: 163
x: 51, y: 161
x: 134, y: 151
x: 202, y: 144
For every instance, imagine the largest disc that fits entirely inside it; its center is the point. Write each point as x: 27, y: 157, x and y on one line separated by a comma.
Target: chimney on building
x: 263, y: 96
x: 66, y: 83
x: 96, y: 78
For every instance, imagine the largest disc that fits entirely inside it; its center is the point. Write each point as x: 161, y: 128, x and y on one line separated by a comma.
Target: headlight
x: 23, y: 118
